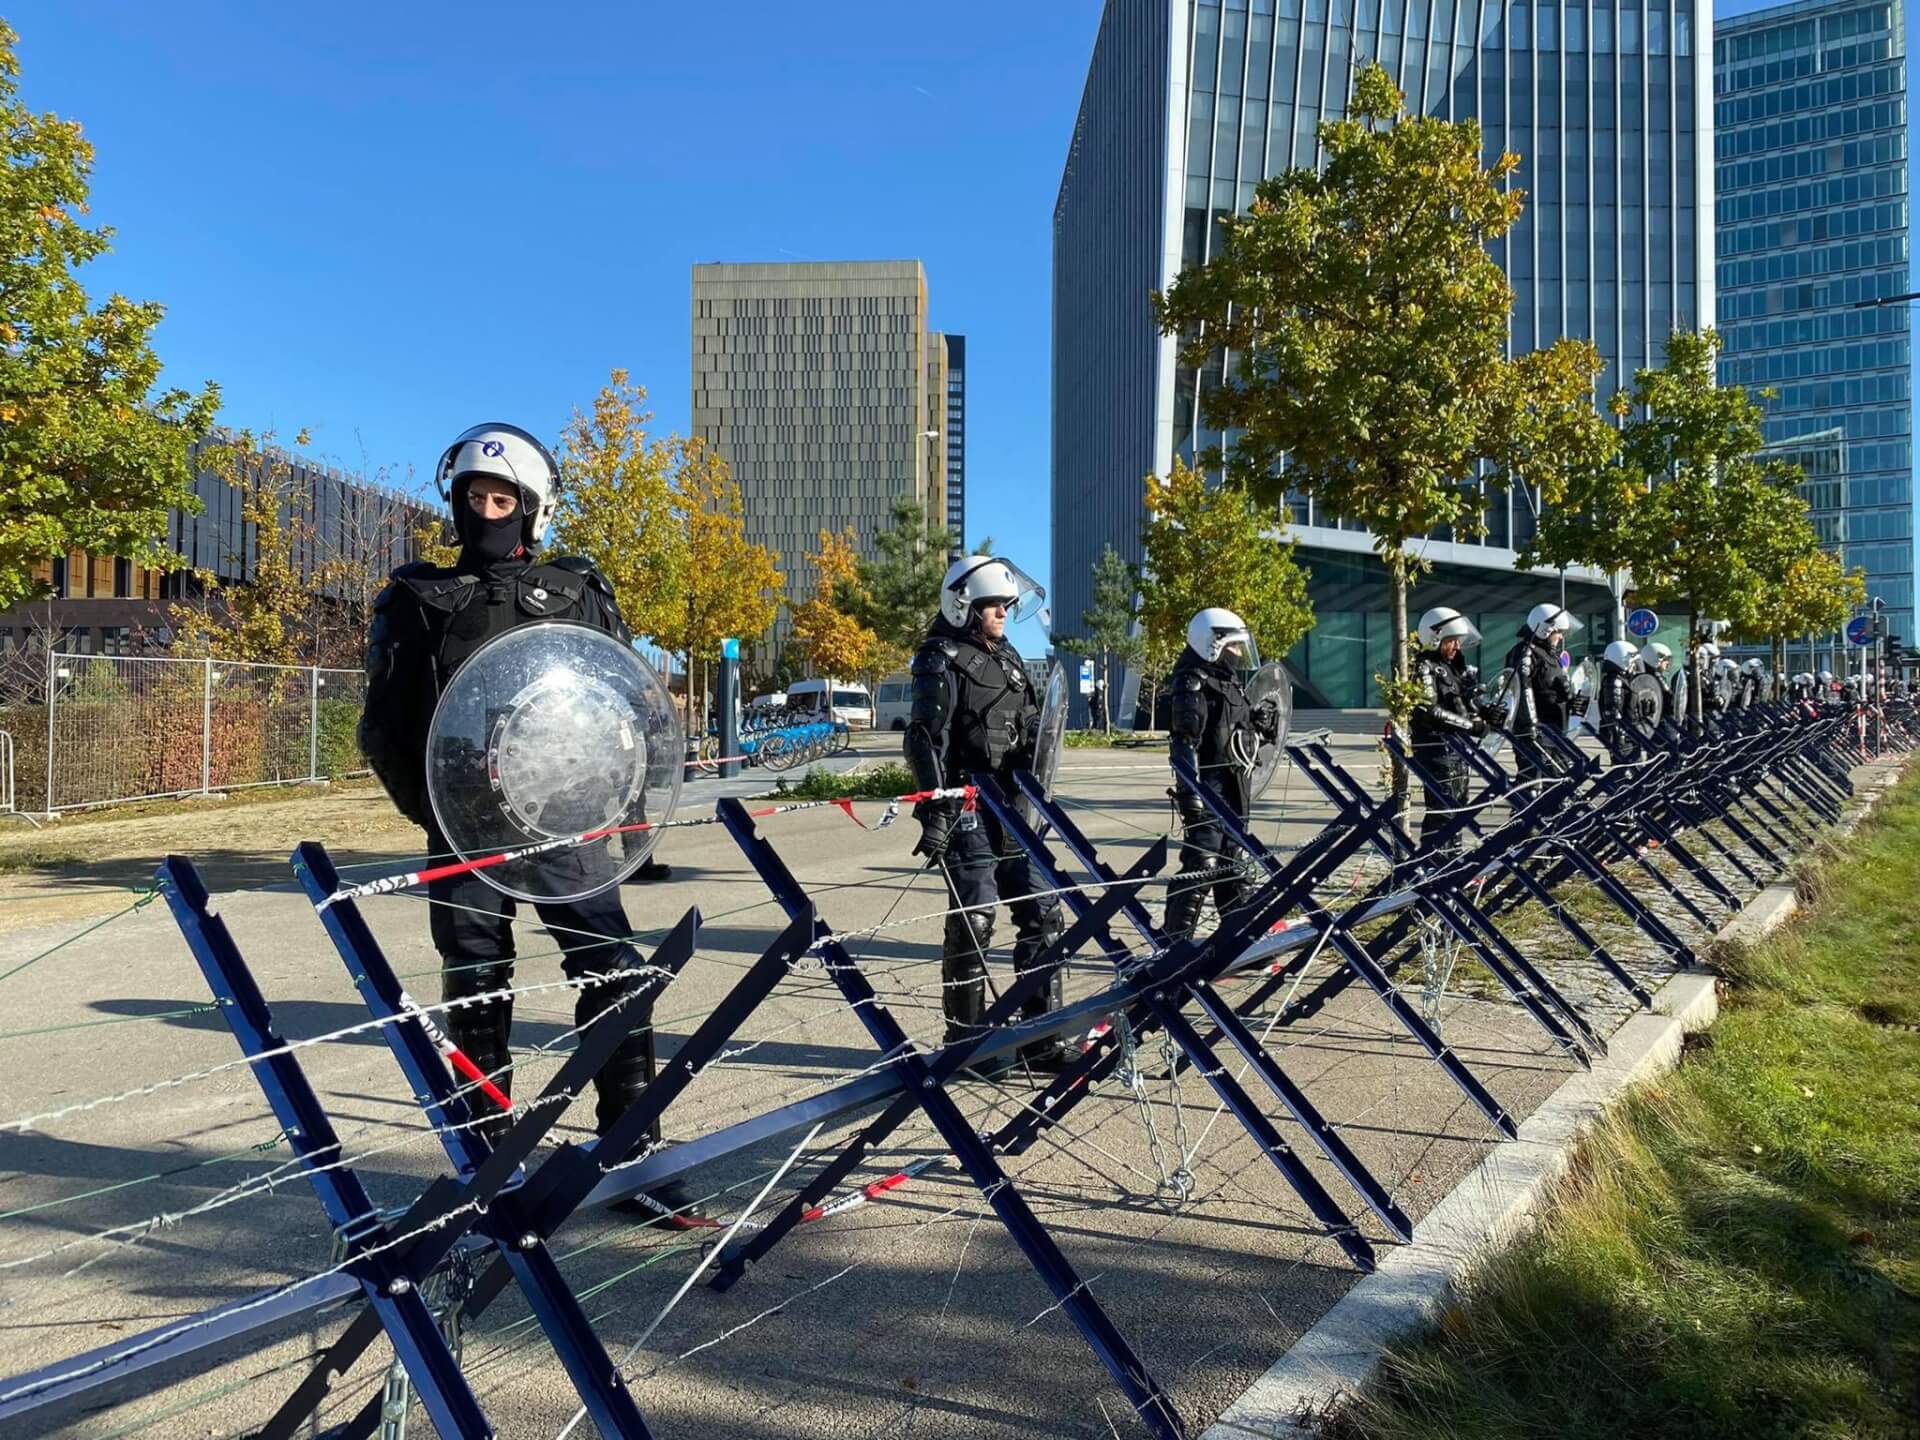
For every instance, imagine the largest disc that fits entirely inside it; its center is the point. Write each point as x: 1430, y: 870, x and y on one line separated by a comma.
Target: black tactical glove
x: 936, y: 819
x: 1266, y: 720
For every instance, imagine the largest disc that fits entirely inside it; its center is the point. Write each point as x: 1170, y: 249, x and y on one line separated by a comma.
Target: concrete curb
x: 1498, y: 1200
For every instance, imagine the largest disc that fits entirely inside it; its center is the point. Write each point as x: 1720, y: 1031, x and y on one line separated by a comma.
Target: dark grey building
x: 111, y: 605
x: 1810, y: 153
x: 1190, y: 103
x: 956, y: 515
x: 825, y: 392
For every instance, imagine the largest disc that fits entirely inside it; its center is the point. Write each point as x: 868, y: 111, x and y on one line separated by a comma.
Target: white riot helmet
x: 1625, y: 655
x: 1441, y: 623
x: 1708, y: 652
x: 508, y: 453
x: 1211, y: 631
x: 1544, y: 619
x: 975, y: 580
x: 1826, y: 678
x: 1655, y: 657
x: 1755, y: 668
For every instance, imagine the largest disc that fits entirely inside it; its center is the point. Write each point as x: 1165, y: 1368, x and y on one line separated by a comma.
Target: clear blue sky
x: 384, y: 223
x: 388, y: 222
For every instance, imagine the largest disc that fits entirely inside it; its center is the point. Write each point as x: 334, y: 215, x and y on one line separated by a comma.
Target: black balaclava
x: 485, y: 542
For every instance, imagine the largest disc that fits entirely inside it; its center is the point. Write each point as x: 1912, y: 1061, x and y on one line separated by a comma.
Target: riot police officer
x: 974, y: 712
x: 502, y: 484
x: 1618, y: 664
x: 1542, y: 695
x: 1215, y: 728
x: 1445, y: 709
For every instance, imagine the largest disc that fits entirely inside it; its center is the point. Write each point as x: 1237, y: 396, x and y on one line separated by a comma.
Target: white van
x: 842, y: 700
x: 894, y: 704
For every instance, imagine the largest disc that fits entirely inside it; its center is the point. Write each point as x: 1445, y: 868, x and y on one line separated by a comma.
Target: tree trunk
x: 1106, y: 692
x: 1402, y: 668
x: 1696, y: 692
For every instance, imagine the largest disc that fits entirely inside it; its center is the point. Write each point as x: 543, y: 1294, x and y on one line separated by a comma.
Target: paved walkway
x: 915, y: 1314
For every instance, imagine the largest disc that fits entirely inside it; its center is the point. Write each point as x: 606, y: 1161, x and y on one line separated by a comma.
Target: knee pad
x: 970, y: 932
x: 463, y: 979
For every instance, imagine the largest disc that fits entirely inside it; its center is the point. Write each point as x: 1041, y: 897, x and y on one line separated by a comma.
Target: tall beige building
x: 821, y: 386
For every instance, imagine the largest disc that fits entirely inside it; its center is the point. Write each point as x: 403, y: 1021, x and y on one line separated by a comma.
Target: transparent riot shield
x: 548, y: 734
x: 1269, y: 688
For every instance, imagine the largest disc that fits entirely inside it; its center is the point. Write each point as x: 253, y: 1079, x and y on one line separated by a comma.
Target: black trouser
x: 1446, y: 766
x: 979, y: 874
x: 472, y: 926
x: 1204, y: 847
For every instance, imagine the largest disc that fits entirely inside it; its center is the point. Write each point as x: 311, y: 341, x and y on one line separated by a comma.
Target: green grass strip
x: 1736, y: 1249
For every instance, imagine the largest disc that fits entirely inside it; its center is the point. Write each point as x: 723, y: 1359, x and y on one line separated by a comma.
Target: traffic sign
x: 1860, y: 630
x: 1086, y: 677
x: 1642, y: 623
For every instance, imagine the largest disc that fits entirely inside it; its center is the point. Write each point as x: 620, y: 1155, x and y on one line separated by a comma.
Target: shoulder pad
x: 935, y: 654
x: 1190, y: 681
x: 418, y: 570
x: 581, y: 565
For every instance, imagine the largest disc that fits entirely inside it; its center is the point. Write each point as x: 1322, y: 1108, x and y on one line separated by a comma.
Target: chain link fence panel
x: 86, y: 730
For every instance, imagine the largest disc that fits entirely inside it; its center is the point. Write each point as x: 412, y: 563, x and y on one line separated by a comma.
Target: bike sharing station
x: 1559, y: 902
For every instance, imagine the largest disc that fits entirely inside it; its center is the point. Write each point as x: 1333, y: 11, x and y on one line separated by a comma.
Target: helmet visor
x: 1029, y: 600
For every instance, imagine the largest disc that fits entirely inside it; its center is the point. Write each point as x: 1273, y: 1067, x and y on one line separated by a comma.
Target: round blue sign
x: 1642, y: 623
x: 1860, y: 630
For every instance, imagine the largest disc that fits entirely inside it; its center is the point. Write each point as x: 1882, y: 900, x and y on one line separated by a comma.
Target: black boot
x: 963, y: 985
x: 1057, y: 1052
x: 620, y: 1083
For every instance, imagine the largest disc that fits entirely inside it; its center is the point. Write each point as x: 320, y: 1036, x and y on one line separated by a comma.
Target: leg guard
x: 963, y: 971
x: 481, y: 1029
x: 630, y: 1069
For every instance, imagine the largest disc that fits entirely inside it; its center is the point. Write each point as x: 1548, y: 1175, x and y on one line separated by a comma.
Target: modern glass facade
x: 1190, y: 103
x: 1810, y: 154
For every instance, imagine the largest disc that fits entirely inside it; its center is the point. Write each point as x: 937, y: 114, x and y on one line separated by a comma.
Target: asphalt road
x: 916, y: 1314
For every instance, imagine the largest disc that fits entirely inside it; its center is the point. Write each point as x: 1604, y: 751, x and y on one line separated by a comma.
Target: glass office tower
x: 1190, y: 103
x: 1810, y: 156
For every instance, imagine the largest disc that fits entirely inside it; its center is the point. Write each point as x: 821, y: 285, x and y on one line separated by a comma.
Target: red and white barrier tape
x: 387, y: 884
x: 454, y: 1055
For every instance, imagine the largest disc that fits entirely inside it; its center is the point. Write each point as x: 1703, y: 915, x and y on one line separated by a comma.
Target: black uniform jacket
x: 428, y: 620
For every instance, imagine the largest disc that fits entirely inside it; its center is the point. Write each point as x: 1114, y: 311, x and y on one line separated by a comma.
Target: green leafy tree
x: 1363, y: 324
x: 897, y: 587
x: 1216, y: 545
x: 1814, y: 594
x: 92, y: 453
x: 1716, y: 525
x: 1107, y: 628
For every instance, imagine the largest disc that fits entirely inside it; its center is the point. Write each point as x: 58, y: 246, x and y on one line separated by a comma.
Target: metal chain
x: 1176, y: 1180
x: 1439, y: 953
x: 1181, y: 1180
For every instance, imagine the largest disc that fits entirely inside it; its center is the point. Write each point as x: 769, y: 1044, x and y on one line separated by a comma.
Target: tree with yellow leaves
x: 620, y: 506
x: 827, y: 638
x: 731, y: 585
